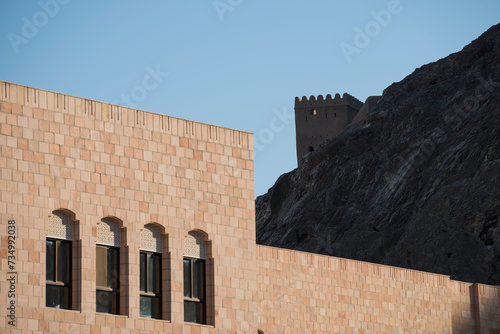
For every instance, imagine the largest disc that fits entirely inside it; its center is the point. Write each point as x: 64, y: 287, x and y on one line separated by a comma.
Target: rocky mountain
x: 415, y: 183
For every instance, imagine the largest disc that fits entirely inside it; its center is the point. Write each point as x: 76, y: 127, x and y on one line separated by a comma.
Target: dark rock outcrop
x: 414, y: 184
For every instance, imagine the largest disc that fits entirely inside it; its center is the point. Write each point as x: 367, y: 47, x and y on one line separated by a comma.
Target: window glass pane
x: 63, y: 261
x: 199, y: 279
x: 104, y: 301
x: 193, y: 312
x: 145, y: 307
x: 57, y: 296
x: 154, y: 273
x: 150, y: 307
x: 143, y: 273
x: 101, y: 266
x: 50, y: 259
x: 156, y: 308
x: 187, y: 278
x: 52, y: 296
x: 112, y: 264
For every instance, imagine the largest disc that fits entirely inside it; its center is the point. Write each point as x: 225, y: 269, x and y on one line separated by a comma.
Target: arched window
x: 108, y: 266
x: 151, y: 272
x: 59, y: 269
x: 195, y: 255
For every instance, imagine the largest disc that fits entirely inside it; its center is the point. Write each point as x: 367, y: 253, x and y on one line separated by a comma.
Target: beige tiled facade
x: 302, y: 292
x: 91, y: 161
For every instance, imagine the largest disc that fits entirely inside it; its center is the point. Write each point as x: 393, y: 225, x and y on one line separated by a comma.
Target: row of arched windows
x: 63, y: 268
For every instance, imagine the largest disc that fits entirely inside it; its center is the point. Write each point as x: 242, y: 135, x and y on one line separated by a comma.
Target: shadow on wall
x: 482, y: 314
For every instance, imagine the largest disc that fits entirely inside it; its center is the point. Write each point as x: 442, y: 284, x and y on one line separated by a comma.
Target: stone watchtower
x: 320, y: 119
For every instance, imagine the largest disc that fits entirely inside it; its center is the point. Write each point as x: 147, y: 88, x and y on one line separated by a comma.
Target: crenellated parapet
x: 320, y: 101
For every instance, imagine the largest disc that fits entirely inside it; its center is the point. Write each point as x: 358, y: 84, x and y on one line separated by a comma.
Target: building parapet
x: 349, y: 266
x: 110, y: 113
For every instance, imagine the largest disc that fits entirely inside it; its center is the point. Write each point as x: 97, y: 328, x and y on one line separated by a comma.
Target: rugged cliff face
x: 415, y: 184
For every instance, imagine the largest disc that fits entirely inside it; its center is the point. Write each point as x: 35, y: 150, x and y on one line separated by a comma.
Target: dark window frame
x: 147, y: 291
x: 202, y: 301
x: 56, y: 282
x: 114, y: 291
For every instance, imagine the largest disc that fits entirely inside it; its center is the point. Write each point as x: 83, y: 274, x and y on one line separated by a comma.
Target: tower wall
x: 319, y: 119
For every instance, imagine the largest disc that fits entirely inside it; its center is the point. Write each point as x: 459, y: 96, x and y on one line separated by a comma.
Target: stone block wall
x: 462, y: 299
x: 308, y: 293
x: 301, y: 292
x: 96, y: 160
x: 487, y: 308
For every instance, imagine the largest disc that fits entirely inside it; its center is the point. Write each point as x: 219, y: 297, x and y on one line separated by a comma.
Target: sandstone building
x: 116, y: 220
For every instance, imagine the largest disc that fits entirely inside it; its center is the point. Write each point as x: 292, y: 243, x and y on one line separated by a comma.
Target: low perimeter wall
x: 300, y: 292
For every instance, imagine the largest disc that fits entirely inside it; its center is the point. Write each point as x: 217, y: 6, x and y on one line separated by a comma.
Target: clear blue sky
x: 234, y: 63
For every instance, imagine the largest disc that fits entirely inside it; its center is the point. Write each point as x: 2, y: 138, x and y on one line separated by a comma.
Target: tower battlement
x: 322, y: 118
x: 328, y: 101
